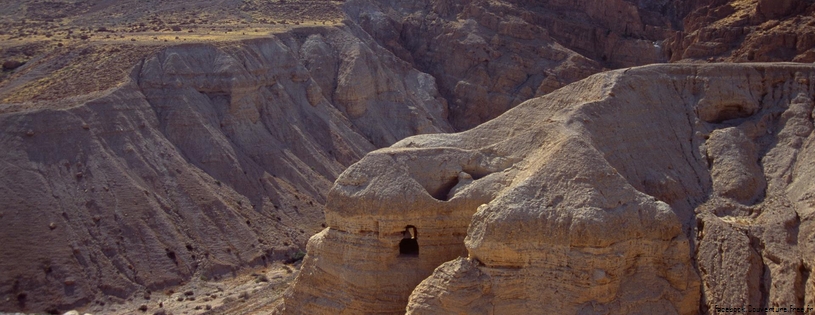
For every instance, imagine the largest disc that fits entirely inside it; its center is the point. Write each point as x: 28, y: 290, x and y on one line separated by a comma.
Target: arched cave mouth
x: 409, y: 246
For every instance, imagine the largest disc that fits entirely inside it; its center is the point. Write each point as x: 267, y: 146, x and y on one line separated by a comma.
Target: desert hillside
x: 154, y: 148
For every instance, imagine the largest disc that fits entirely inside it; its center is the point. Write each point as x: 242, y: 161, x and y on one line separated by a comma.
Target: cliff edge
x: 659, y: 189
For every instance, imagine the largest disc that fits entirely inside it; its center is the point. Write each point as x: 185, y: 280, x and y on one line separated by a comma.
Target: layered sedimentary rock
x: 664, y: 189
x: 207, y: 159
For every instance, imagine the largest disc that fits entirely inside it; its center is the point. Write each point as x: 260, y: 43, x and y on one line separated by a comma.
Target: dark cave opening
x: 409, y: 246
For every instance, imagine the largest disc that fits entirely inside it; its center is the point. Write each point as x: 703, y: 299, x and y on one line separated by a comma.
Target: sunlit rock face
x: 633, y: 190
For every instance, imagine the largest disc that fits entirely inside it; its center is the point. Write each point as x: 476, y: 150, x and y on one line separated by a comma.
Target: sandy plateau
x: 395, y: 156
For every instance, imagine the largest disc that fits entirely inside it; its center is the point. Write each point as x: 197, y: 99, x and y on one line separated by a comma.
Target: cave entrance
x: 409, y: 246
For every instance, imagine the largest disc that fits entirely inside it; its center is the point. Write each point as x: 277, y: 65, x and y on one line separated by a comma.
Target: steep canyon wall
x: 209, y: 158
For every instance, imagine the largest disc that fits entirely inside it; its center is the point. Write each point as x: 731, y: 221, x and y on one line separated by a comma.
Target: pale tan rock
x: 362, y: 252
x: 633, y: 191
x: 731, y: 269
x: 735, y: 170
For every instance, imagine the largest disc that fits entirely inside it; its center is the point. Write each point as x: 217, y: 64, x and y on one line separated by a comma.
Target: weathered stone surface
x: 489, y: 56
x: 209, y: 159
x: 229, y: 143
x: 735, y: 170
x: 633, y: 191
x: 777, y: 9
x: 742, y: 31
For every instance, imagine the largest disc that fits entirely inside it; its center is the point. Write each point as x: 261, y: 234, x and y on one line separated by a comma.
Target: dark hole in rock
x: 21, y: 297
x: 171, y: 255
x: 409, y: 246
x: 731, y: 111
x: 442, y: 192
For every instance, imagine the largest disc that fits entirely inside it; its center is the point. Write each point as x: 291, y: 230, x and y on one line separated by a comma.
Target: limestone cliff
x: 210, y: 157
x: 206, y: 158
x: 661, y: 189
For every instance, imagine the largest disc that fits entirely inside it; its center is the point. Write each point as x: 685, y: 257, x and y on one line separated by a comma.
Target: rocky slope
x: 508, y: 51
x: 665, y: 189
x: 505, y: 51
x: 745, y: 31
x: 209, y: 158
x: 132, y: 163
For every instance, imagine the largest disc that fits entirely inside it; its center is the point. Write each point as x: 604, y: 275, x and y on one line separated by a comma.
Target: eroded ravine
x: 211, y: 158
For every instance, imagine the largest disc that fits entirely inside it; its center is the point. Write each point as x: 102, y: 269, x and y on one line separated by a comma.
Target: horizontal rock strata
x: 659, y: 189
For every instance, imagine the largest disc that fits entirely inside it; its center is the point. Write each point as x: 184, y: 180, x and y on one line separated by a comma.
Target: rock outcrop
x: 666, y: 189
x: 209, y: 158
x: 746, y: 31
